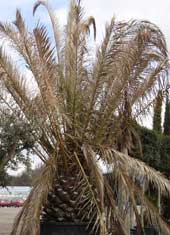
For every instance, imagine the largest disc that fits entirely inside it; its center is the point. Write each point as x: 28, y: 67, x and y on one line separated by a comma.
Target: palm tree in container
x: 82, y: 112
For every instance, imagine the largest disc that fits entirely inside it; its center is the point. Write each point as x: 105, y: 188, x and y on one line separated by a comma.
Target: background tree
x: 155, y: 152
x: 15, y: 144
x: 26, y: 178
x: 75, y: 116
x: 157, y: 120
x: 167, y: 117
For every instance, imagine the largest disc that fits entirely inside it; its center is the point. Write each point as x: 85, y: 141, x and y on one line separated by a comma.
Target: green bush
x: 154, y: 149
x: 165, y: 154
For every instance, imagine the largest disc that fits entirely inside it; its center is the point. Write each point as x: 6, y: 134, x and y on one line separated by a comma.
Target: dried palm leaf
x: 83, y: 110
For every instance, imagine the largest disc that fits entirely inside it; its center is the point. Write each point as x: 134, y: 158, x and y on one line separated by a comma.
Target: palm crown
x: 83, y: 110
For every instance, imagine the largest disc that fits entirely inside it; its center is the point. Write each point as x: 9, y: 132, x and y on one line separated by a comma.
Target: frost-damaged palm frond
x: 136, y: 168
x: 38, y: 195
x: 55, y: 25
x: 84, y: 110
x: 134, y: 58
x: 130, y: 174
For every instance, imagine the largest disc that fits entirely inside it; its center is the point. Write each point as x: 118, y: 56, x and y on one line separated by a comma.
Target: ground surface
x: 7, y: 216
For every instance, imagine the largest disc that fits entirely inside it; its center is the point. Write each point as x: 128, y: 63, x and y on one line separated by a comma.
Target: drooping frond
x: 14, y: 82
x: 55, y: 25
x: 130, y: 179
x: 31, y: 212
x: 139, y: 170
x: 135, y: 57
x: 152, y: 214
x: 87, y: 23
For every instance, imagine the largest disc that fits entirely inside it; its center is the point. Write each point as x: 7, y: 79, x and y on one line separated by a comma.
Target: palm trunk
x: 62, y: 204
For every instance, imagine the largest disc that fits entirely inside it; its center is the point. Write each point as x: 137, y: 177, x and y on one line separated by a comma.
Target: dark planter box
x: 63, y: 228
x: 148, y: 231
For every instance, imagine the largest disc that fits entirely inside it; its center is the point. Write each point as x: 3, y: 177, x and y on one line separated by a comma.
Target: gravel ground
x: 7, y: 216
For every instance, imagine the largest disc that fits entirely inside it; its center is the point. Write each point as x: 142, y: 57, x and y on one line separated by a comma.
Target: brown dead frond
x: 83, y: 110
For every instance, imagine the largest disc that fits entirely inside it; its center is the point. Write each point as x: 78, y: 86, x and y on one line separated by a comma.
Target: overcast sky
x: 156, y: 11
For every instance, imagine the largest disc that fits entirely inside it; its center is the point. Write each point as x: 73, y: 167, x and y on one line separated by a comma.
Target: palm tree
x: 82, y: 111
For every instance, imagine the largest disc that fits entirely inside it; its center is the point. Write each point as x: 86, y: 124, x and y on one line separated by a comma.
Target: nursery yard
x: 7, y: 216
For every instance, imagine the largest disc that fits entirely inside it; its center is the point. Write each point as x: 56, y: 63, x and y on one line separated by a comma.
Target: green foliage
x: 157, y: 113
x: 15, y: 143
x: 167, y: 118
x: 156, y: 153
x: 4, y: 178
x: 165, y: 154
x: 155, y: 149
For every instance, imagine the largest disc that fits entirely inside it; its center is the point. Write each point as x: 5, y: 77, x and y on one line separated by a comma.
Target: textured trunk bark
x: 63, y: 204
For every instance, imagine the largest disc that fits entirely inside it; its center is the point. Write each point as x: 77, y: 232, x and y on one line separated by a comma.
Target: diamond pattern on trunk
x: 62, y: 202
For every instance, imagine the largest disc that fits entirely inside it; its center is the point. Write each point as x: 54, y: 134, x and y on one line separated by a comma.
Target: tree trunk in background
x: 157, y: 113
x: 167, y: 118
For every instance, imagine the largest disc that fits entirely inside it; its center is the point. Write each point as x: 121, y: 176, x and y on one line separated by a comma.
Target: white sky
x: 156, y: 11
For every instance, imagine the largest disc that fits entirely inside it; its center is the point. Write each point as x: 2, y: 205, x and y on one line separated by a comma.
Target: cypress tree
x: 157, y: 113
x: 167, y: 118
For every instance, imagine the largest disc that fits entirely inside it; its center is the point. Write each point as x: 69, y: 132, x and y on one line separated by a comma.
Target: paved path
x: 7, y: 216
